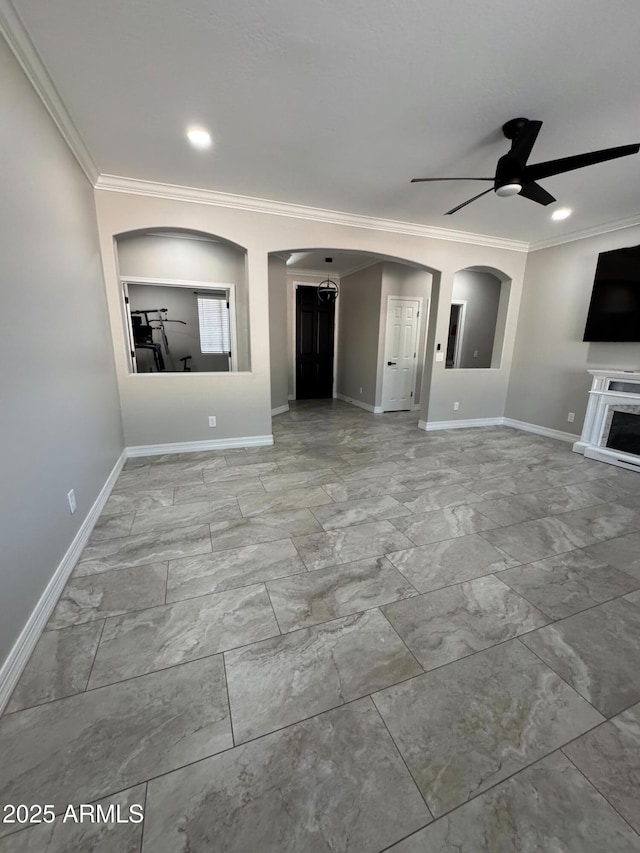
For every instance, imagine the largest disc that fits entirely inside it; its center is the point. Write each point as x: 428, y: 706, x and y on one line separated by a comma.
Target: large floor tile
x: 471, y: 724
x: 441, y: 524
x: 281, y: 501
x: 349, y: 544
x: 623, y: 552
x: 186, y: 515
x: 78, y: 749
x: 281, y: 482
x: 347, y: 513
x: 437, y: 497
x: 138, y: 499
x: 547, y: 807
x: 112, y: 527
x: 325, y: 594
x: 333, y: 783
x: 280, y: 681
x: 109, y: 593
x: 223, y: 570
x: 535, y: 540
x: 186, y: 630
x: 529, y: 482
x: 144, y: 548
x: 517, y: 508
x: 604, y: 521
x: 239, y: 472
x: 59, y: 666
x: 86, y: 836
x: 213, y: 491
x: 609, y: 757
x: 369, y: 488
x: 451, y: 623
x: 597, y: 652
x: 452, y: 561
x: 568, y: 583
x: 268, y: 527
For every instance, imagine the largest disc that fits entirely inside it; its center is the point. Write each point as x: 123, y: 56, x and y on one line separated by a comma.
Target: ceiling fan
x: 513, y: 175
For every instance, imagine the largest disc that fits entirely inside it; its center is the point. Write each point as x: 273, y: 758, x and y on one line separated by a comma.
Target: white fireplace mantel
x: 609, y: 389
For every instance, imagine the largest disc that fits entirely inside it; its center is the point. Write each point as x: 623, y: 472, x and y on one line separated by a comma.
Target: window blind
x: 213, y: 318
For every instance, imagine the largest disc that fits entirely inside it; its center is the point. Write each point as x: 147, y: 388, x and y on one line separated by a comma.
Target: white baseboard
x: 509, y: 422
x: 194, y: 446
x: 23, y: 647
x: 377, y: 410
x: 540, y: 430
x: 280, y: 410
x: 461, y: 424
x: 291, y: 397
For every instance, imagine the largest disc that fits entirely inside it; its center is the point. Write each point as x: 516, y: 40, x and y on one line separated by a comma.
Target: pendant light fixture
x: 328, y: 289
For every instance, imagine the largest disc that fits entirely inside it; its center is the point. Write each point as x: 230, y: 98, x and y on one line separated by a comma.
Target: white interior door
x: 400, y: 351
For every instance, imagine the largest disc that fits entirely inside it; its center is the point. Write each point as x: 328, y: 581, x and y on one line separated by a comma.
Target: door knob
x: 389, y: 363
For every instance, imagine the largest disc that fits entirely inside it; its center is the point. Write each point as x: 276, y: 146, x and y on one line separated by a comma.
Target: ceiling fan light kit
x: 513, y: 175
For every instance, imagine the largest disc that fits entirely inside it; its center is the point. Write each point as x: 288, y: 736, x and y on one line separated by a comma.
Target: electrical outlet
x: 571, y: 417
x: 71, y: 497
x: 212, y: 420
x: 456, y: 406
x: 439, y: 356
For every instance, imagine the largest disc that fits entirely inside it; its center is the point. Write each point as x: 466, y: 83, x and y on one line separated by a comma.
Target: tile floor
x: 364, y: 638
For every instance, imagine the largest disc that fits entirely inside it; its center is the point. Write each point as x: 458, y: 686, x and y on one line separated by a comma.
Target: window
x: 213, y: 319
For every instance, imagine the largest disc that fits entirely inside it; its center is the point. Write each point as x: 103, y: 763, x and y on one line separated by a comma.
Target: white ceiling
x: 337, y: 105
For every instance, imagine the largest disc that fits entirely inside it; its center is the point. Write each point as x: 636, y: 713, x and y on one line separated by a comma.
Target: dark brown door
x: 314, y: 345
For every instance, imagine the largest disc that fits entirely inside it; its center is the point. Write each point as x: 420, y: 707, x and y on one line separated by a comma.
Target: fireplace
x: 611, y: 431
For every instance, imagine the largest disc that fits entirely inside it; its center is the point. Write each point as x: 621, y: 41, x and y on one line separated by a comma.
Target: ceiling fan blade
x: 537, y: 193
x: 567, y: 164
x: 421, y: 180
x: 465, y: 203
x: 525, y: 140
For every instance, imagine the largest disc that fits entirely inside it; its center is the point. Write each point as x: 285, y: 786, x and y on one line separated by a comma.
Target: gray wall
x: 481, y: 291
x: 358, y: 334
x: 405, y: 281
x: 278, y: 346
x: 549, y: 376
x: 190, y: 259
x: 60, y: 414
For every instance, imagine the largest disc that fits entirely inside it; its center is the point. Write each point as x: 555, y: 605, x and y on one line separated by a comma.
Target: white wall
x: 481, y: 292
x: 278, y: 343
x: 549, y: 377
x: 60, y: 421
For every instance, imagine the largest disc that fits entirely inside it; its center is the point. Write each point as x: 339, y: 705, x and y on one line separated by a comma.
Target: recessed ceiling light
x: 561, y: 213
x: 199, y: 137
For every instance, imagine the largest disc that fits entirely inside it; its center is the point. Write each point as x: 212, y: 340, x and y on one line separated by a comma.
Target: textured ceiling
x: 337, y: 105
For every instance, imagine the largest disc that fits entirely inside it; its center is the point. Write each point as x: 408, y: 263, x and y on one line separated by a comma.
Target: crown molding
x: 585, y: 233
x: 16, y: 36
x: 115, y: 183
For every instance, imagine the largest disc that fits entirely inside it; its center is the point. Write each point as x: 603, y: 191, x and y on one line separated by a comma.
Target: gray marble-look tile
x: 452, y: 561
x: 159, y: 477
x: 622, y: 552
x: 609, y: 757
x: 349, y: 544
x: 535, y: 540
x: 440, y: 524
x: 597, y: 652
x: 414, y: 479
x: 603, y: 521
x: 280, y: 482
x: 309, y: 462
x: 80, y: 748
x: 437, y: 497
x: 332, y: 783
x: 59, y: 666
x: 283, y: 501
x: 144, y: 548
x: 267, y: 527
x: 230, y: 569
x: 568, y: 583
x: 633, y: 597
x: 358, y: 473
x: 186, y: 514
x: 112, y: 527
x: 108, y: 594
x: 307, y: 599
x: 101, y: 836
x: 160, y: 637
x: 347, y: 513
x: 547, y: 807
x: 517, y: 508
x: 151, y: 459
x: 277, y: 682
x: 137, y: 499
x: 213, y: 491
x: 535, y: 481
x: 468, y: 725
x: 370, y: 488
x: 451, y: 623
x: 239, y: 472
